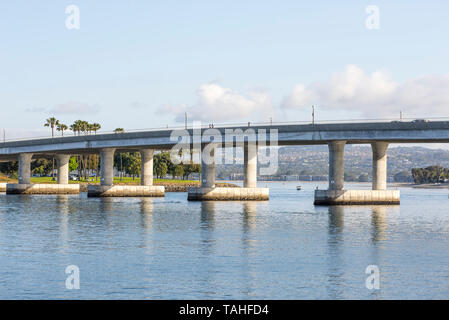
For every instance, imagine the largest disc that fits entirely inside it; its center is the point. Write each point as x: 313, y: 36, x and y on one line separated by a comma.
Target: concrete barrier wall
x: 200, y: 194
x: 17, y: 188
x: 125, y: 191
x: 356, y: 197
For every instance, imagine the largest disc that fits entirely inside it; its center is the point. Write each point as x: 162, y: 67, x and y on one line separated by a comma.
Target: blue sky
x: 142, y: 64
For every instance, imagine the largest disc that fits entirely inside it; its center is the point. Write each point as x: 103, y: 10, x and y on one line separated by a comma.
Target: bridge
x: 378, y: 134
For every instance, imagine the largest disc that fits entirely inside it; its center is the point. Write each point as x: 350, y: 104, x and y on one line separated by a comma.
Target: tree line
x: 432, y: 174
x: 128, y: 163
x: 89, y: 165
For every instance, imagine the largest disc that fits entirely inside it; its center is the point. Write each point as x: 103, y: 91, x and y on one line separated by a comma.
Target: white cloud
x: 74, y: 108
x: 137, y: 105
x: 374, y: 94
x: 215, y: 103
x: 299, y: 97
x: 35, y: 109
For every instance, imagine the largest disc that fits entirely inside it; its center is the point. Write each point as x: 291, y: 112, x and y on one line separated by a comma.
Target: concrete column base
x: 3, y: 187
x: 22, y: 188
x: 356, y: 197
x: 205, y: 194
x: 125, y: 191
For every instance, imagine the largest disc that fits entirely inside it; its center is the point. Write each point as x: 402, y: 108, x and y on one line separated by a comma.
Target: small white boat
x: 298, y: 187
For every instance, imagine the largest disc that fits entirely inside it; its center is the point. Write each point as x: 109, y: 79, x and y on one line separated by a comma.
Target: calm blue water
x: 168, y: 248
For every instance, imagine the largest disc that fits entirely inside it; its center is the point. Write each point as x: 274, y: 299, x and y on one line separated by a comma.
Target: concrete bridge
x: 336, y: 135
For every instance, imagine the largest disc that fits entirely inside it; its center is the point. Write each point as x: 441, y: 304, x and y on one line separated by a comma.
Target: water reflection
x: 146, y: 213
x: 62, y: 205
x: 336, y: 220
x: 249, y: 225
x: 207, y: 247
x: 379, y: 223
x: 146, y: 222
x: 207, y: 225
x: 334, y: 252
x: 207, y: 214
x: 249, y: 215
x: 249, y: 248
x: 106, y: 207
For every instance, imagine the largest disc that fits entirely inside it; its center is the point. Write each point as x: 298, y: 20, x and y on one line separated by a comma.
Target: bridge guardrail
x: 232, y: 125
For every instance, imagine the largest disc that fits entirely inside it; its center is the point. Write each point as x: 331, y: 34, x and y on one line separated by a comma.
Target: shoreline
x: 421, y: 186
x: 170, y: 186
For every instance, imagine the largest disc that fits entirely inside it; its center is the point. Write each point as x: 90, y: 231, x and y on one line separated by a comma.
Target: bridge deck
x: 288, y: 134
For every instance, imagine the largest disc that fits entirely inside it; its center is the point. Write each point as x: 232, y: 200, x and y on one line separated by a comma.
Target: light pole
x: 313, y: 114
x: 121, y: 167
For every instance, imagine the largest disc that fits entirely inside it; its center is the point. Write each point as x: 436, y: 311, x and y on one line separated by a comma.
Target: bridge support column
x: 62, y: 163
x: 25, y: 187
x: 25, y: 168
x: 107, y: 189
x: 336, y: 165
x: 208, y: 166
x: 107, y: 166
x: 146, y: 177
x: 335, y: 195
x: 379, y: 165
x: 250, y: 165
x: 208, y: 191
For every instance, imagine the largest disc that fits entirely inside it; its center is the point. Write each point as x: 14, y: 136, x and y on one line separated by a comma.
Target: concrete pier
x: 107, y: 166
x: 25, y: 168
x: 42, y: 188
x: 357, y: 197
x: 25, y: 187
x: 336, y: 195
x: 62, y: 163
x: 146, y: 177
x: 125, y: 191
x: 336, y: 165
x: 208, y: 166
x: 205, y: 194
x: 208, y: 191
x: 250, y: 165
x: 3, y: 187
x: 107, y: 189
x: 379, y: 165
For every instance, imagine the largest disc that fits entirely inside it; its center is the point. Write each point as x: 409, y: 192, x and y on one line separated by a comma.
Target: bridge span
x: 336, y: 135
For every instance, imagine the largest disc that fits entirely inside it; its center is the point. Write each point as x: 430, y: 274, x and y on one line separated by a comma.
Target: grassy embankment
x: 170, y: 185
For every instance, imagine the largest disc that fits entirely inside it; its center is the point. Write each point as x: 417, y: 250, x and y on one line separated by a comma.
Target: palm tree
x: 96, y: 127
x: 119, y: 130
x: 51, y: 122
x: 61, y: 127
x: 77, y: 127
x: 74, y: 128
x: 84, y: 126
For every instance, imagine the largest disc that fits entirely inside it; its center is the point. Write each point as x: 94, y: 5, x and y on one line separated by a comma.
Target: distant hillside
x: 313, y: 160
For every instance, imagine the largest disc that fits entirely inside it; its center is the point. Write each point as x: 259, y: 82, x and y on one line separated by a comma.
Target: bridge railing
x: 228, y: 125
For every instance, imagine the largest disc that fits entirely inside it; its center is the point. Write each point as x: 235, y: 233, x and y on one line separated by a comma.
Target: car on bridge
x: 420, y: 121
